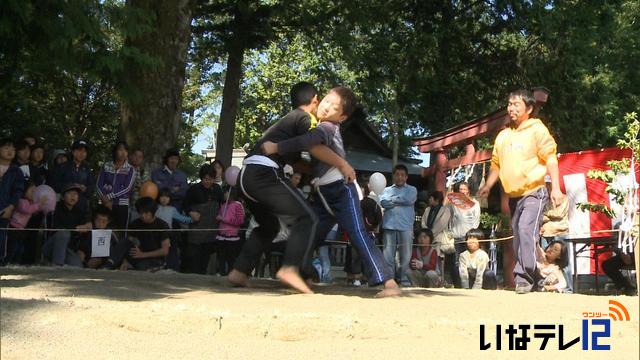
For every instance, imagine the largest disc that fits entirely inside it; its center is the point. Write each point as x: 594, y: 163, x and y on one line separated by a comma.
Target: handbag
x: 445, y: 241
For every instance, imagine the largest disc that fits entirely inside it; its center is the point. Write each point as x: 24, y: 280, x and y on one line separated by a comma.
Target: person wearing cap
x: 61, y: 246
x: 170, y: 177
x: 76, y: 172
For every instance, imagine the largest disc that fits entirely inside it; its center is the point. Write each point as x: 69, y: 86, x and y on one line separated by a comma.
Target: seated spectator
x: 170, y: 177
x: 60, y: 248
x: 114, y: 184
x: 550, y: 264
x: 168, y: 213
x: 40, y: 173
x: 11, y: 189
x: 101, y: 218
x: 204, y: 198
x: 230, y: 217
x: 425, y: 270
x: 612, y: 267
x: 474, y: 272
x: 76, y: 172
x: 143, y: 250
x: 21, y: 215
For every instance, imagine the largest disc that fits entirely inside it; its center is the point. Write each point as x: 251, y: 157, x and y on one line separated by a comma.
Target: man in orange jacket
x: 523, y: 154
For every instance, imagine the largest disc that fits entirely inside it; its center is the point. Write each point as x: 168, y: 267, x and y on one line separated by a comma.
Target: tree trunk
x: 152, y: 106
x: 230, y: 98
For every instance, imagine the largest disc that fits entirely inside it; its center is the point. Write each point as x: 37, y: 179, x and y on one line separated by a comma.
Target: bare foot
x: 290, y: 276
x: 391, y: 289
x: 238, y: 279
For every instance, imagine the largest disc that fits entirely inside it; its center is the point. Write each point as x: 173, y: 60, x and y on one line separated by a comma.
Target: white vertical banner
x: 579, y: 220
x: 100, y: 243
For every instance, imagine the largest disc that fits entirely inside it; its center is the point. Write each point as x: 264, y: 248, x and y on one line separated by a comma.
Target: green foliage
x: 499, y: 220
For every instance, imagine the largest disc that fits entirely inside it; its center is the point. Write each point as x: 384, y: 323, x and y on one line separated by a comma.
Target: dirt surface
x: 64, y: 313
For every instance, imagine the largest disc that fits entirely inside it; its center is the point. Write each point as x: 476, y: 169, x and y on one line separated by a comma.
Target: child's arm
x: 299, y: 143
x: 176, y: 215
x: 482, y: 266
x: 27, y: 207
x: 539, y: 253
x: 464, y: 273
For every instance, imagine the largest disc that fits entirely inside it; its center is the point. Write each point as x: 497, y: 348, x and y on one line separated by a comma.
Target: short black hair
x: 207, y: 170
x: 21, y: 144
x: 474, y: 233
x: 526, y: 96
x: 102, y: 211
x: 348, y: 99
x: 563, y: 259
x: 401, y: 167
x: 164, y: 192
x: 426, y: 231
x: 437, y: 196
x: 115, y: 147
x: 146, y: 205
x: 302, y: 93
x: 6, y: 141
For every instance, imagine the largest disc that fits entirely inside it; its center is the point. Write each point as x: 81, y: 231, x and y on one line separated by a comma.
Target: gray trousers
x: 57, y: 250
x: 526, y: 219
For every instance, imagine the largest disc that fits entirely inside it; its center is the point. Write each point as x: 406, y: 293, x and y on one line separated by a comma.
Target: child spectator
x: 61, y: 247
x: 40, y: 173
x: 473, y: 269
x: 143, y: 250
x: 114, y: 184
x: 168, y: 213
x: 11, y: 189
x: 19, y: 219
x: 550, y: 263
x: 101, y: 219
x: 76, y: 172
x: 230, y: 217
x: 23, y: 153
x: 170, y: 177
x: 424, y: 271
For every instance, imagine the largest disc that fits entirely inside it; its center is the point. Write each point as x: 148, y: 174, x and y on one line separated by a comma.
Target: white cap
x: 288, y: 170
x: 547, y: 178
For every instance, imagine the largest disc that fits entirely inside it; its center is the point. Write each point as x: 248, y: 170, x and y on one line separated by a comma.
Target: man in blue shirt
x: 397, y: 223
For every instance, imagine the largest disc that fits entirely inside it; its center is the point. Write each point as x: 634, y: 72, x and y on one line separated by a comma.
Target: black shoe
x: 108, y: 265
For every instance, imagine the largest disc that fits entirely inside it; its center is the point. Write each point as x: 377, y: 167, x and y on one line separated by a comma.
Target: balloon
x: 47, y: 192
x: 231, y: 175
x: 377, y: 183
x: 149, y: 189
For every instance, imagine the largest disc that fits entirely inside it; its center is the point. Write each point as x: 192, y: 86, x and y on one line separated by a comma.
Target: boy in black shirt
x: 61, y: 247
x: 271, y: 198
x: 143, y: 250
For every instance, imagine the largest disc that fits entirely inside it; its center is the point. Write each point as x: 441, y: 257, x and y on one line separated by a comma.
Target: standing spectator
x: 61, y: 247
x: 169, y: 214
x: 58, y: 157
x: 136, y: 160
x: 145, y: 249
x: 218, y: 166
x: 114, y: 184
x: 230, y: 217
x: 76, y: 172
x: 463, y: 220
x: 473, y: 269
x: 11, y: 189
x: 40, y: 173
x: 23, y: 153
x: 425, y: 271
x: 203, y: 198
x: 397, y: 222
x: 436, y: 218
x: 523, y: 153
x: 170, y: 177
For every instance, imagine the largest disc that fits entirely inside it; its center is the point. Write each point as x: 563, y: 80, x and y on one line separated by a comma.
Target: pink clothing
x: 23, y: 213
x: 232, y: 215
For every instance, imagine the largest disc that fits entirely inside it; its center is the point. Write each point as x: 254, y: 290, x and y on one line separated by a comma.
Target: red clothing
x: 23, y: 213
x: 429, y: 258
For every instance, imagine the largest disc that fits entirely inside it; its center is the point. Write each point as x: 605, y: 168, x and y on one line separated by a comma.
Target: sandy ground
x: 63, y: 313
